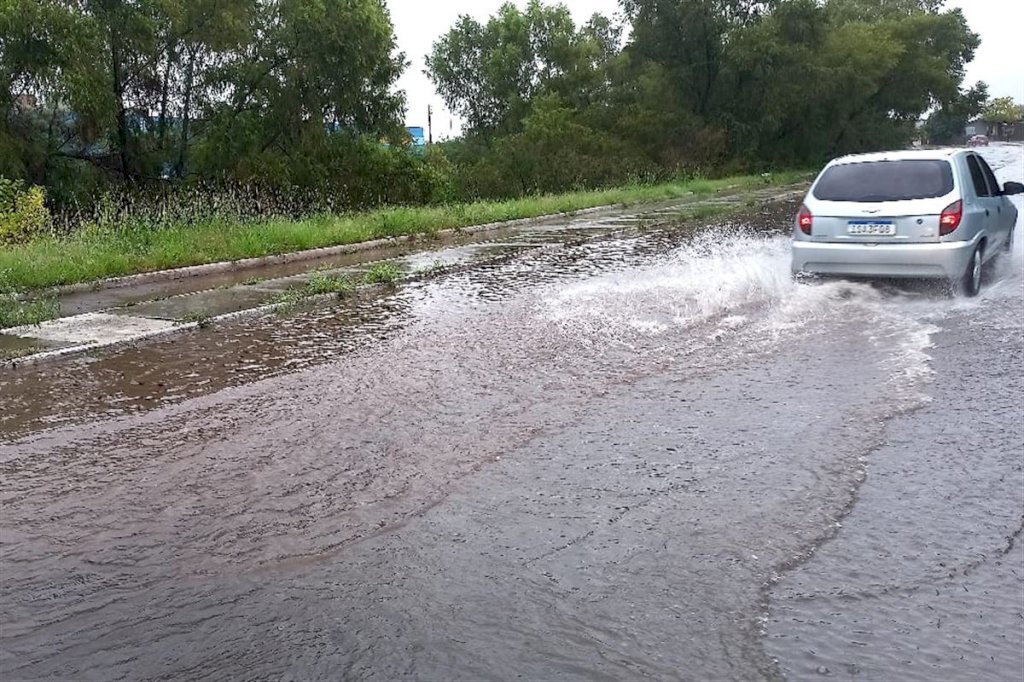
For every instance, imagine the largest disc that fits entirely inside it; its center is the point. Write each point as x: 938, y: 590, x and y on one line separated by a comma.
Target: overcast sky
x: 418, y: 24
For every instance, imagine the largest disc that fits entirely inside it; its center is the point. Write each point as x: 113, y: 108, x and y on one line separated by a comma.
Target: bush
x: 557, y: 151
x: 23, y: 212
x: 334, y: 172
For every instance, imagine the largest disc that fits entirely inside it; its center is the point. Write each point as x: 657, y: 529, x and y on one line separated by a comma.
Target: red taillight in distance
x: 950, y: 218
x: 805, y: 220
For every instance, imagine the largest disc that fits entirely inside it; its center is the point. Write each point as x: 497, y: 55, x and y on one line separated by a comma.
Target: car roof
x: 943, y: 154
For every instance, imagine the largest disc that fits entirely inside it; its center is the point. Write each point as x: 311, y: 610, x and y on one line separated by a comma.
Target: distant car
x: 978, y: 141
x: 922, y: 214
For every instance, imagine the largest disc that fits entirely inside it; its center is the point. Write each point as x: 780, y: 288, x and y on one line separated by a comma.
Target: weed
x: 200, y: 318
x: 253, y: 280
x: 16, y: 313
x: 382, y: 273
x: 8, y: 354
x: 317, y: 285
x: 438, y: 266
x: 328, y: 284
x: 286, y: 301
x: 704, y: 212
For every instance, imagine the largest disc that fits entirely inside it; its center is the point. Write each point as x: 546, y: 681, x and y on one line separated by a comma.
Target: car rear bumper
x: 946, y: 260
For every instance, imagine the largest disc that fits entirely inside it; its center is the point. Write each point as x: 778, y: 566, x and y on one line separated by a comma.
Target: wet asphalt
x: 645, y: 455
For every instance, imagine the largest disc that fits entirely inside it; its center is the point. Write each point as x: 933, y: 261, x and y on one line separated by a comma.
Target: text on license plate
x: 871, y: 227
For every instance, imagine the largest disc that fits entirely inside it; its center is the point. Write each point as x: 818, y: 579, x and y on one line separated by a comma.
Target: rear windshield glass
x: 885, y: 181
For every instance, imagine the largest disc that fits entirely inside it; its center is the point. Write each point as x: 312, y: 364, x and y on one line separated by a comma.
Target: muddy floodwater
x: 649, y: 454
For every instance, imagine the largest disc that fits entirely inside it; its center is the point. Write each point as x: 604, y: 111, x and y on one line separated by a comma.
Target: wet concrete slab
x: 206, y: 303
x: 92, y: 328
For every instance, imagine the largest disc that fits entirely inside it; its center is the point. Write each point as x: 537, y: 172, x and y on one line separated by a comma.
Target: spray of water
x: 726, y: 278
x: 730, y: 290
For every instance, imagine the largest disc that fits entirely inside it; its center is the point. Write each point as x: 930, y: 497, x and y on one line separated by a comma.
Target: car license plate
x: 874, y: 228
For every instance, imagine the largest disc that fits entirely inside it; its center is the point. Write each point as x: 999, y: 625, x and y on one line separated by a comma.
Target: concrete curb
x: 310, y: 254
x: 58, y: 353
x: 248, y: 313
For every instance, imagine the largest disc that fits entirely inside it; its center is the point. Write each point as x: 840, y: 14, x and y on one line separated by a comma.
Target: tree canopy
x: 241, y: 90
x: 302, y: 94
x: 702, y: 84
x: 1002, y: 110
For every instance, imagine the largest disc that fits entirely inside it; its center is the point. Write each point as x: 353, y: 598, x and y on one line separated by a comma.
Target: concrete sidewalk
x: 153, y: 305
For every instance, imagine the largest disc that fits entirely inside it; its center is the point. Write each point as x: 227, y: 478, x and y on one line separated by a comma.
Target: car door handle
x: 986, y: 211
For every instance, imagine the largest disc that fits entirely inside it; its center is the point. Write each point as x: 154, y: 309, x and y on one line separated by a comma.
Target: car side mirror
x: 1011, y: 188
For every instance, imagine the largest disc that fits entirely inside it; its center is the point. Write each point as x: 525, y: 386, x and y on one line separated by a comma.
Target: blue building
x: 418, y: 138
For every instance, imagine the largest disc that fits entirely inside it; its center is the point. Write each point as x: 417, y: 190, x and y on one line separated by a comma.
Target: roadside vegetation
x: 382, y: 273
x: 322, y: 284
x: 15, y: 312
x: 294, y: 103
x: 112, y: 249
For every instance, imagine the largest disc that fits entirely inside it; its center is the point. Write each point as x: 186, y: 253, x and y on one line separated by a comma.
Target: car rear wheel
x: 970, y: 282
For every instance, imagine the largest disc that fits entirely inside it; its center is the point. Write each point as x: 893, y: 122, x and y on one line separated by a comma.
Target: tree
x: 802, y: 87
x: 43, y: 80
x: 489, y: 73
x: 946, y: 124
x: 1002, y: 110
x: 687, y: 38
x: 313, y: 70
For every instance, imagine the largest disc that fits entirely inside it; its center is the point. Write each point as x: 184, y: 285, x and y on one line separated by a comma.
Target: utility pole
x: 430, y: 124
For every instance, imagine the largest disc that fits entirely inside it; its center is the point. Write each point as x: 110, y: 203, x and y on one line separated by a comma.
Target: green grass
x: 434, y: 268
x: 382, y: 273
x: 706, y: 212
x: 201, y: 318
x: 317, y: 285
x: 320, y: 283
x: 91, y: 254
x: 15, y: 313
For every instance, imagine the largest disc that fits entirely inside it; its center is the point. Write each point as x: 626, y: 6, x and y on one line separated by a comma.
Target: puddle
x: 12, y: 347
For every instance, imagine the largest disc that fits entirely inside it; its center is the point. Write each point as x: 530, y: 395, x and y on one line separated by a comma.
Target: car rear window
x: 885, y: 181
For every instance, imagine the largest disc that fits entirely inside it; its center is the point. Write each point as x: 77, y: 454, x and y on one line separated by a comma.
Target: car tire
x: 1008, y: 244
x: 969, y: 283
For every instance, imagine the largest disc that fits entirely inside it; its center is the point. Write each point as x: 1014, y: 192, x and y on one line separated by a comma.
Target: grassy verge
x: 93, y: 255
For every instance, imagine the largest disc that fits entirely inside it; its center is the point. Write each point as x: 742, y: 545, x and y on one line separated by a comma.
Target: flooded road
x: 647, y: 455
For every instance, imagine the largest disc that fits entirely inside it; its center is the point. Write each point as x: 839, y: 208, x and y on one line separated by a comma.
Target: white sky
x: 418, y: 23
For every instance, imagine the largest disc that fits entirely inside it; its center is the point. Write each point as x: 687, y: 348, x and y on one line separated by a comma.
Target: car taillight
x: 805, y: 220
x: 951, y: 217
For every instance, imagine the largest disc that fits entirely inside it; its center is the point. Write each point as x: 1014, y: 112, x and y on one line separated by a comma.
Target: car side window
x: 990, y: 177
x: 977, y: 176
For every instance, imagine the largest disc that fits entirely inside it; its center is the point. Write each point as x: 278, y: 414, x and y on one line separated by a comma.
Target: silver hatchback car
x: 923, y: 213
